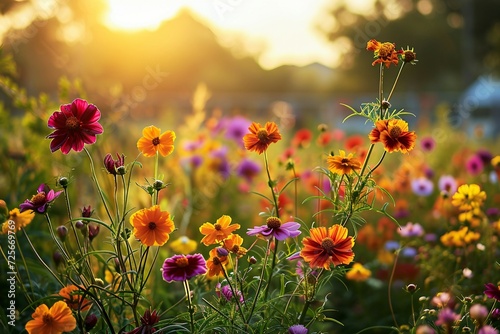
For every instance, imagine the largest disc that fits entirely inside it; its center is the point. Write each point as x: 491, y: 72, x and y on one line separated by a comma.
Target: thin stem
x: 99, y: 189
x: 390, y: 287
x: 156, y: 191
x: 261, y: 279
x: 270, y: 183
x: 273, y: 264
x: 235, y: 296
x: 395, y: 81
x: 190, y: 305
x: 381, y: 87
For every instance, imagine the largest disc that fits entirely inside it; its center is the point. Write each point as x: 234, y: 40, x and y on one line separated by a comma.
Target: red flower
x: 75, y: 125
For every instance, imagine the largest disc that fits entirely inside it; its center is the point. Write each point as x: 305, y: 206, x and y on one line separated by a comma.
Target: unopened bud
x: 63, y: 182
x: 62, y: 232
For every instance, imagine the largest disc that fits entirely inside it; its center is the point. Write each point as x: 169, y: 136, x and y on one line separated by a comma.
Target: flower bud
x: 63, y: 182
x: 221, y: 252
x: 158, y: 185
x: 90, y: 321
x: 79, y: 224
x: 62, y: 232
x: 478, y: 312
x: 112, y: 165
x: 411, y: 288
x: 58, y: 258
x: 93, y: 231
x: 252, y: 260
x: 87, y: 211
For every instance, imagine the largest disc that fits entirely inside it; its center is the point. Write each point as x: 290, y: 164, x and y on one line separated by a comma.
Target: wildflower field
x: 201, y: 222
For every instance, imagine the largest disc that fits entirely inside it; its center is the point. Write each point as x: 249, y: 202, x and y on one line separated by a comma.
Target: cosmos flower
x: 183, y: 267
x: 394, y: 135
x: 216, y: 262
x: 422, y: 186
x: 57, y: 319
x: 411, y: 230
x: 73, y: 297
x: 248, y: 169
x: 358, y: 273
x: 447, y: 184
x: 428, y: 144
x: 385, y: 53
x: 152, y: 142
x: 327, y: 246
x: 233, y: 244
x: 20, y: 219
x: 298, y: 329
x: 259, y: 138
x: 342, y: 164
x: 446, y: 317
x: 75, y: 125
x: 217, y: 232
x: 275, y: 228
x: 492, y: 291
x: 40, y: 202
x: 112, y: 165
x: 474, y: 165
x: 152, y: 226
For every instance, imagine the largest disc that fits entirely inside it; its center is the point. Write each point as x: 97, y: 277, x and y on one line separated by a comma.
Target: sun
x: 140, y: 14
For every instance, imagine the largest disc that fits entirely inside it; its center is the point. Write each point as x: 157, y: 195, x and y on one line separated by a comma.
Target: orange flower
x: 325, y: 247
x: 74, y: 299
x: 152, y: 226
x: 340, y: 164
x: 233, y: 244
x: 152, y: 142
x: 57, y: 319
x: 260, y: 138
x: 385, y: 53
x: 394, y: 135
x: 217, y: 232
x: 216, y: 262
x: 358, y: 273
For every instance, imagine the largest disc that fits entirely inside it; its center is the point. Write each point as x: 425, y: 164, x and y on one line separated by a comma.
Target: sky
x: 277, y: 31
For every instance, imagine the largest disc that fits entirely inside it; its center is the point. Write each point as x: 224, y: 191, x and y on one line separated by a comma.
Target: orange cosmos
x: 152, y: 141
x: 259, y: 138
x: 394, y: 135
x: 342, y: 164
x: 328, y: 246
x: 217, y: 232
x: 152, y: 226
x: 216, y: 263
x: 57, y: 319
x: 74, y: 299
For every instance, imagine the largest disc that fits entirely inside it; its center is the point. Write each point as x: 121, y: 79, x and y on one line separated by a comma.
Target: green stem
x: 235, y: 296
x: 270, y: 183
x: 396, y: 81
x: 273, y: 264
x: 156, y: 192
x: 389, y: 297
x: 99, y: 189
x: 190, y: 305
x: 381, y: 87
x: 261, y: 279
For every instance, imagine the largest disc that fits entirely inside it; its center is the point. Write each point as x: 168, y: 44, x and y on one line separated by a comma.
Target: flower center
x: 395, y: 132
x: 39, y: 199
x: 216, y: 261
x: 386, y: 50
x: 328, y: 245
x: 47, y: 319
x: 217, y: 227
x: 152, y: 225
x: 72, y: 123
x: 262, y: 134
x: 182, y: 262
x: 235, y: 249
x: 156, y: 141
x: 345, y: 162
x: 273, y: 222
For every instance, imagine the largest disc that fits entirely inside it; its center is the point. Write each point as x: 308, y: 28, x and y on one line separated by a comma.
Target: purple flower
x: 447, y: 317
x: 248, y: 169
x: 297, y: 329
x: 411, y: 230
x: 422, y: 186
x: 237, y: 127
x: 226, y: 292
x: 448, y: 184
x: 183, y: 267
x: 487, y: 330
x: 492, y: 291
x: 409, y: 252
x: 474, y: 165
x: 40, y: 202
x: 87, y: 211
x: 391, y: 245
x: 428, y: 144
x: 495, y: 314
x: 113, y: 165
x: 478, y: 312
x: 275, y: 228
x: 485, y: 156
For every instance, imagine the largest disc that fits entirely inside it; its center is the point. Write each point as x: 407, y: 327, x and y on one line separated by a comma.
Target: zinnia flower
x: 492, y: 291
x: 148, y: 320
x: 57, y: 319
x: 40, y: 202
x: 385, y: 53
x: 73, y: 297
x: 342, y: 164
x: 20, y: 219
x: 325, y: 247
x: 474, y: 165
x: 274, y: 228
x: 259, y: 138
x: 152, y: 142
x: 217, y: 232
x: 358, y: 273
x: 394, y: 135
x: 152, y: 226
x: 468, y: 196
x: 183, y: 267
x: 75, y: 125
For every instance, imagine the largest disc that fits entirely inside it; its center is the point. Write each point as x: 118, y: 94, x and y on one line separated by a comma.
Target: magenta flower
x: 297, y: 329
x: 148, y: 320
x: 226, y: 292
x: 474, y: 165
x: 75, y: 125
x: 428, y: 144
x: 113, y: 165
x: 248, y: 169
x: 447, y: 317
x: 487, y: 330
x: 40, y: 202
x: 183, y: 267
x: 492, y: 291
x: 411, y: 230
x: 274, y: 228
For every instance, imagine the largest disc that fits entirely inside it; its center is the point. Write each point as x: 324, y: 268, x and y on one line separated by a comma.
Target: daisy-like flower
x: 468, y: 196
x: 20, y: 219
x: 492, y: 291
x: 275, y: 228
x: 73, y: 297
x: 75, y: 125
x: 183, y: 245
x: 233, y: 244
x: 152, y: 142
x: 384, y: 53
x: 219, y: 231
x: 422, y: 186
x: 358, y: 273
x: 152, y: 226
x: 342, y: 164
x: 328, y: 246
x: 183, y: 267
x: 218, y: 258
x: 259, y: 138
x: 394, y: 135
x: 411, y: 230
x: 40, y: 202
x: 148, y: 320
x: 57, y: 319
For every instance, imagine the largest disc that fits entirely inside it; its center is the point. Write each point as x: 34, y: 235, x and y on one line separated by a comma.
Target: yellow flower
x: 495, y: 162
x: 152, y: 226
x: 358, y: 273
x: 152, y: 142
x: 468, y: 197
x: 459, y: 238
x: 217, y: 232
x: 183, y: 245
x: 19, y: 219
x: 342, y: 164
x: 57, y: 319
